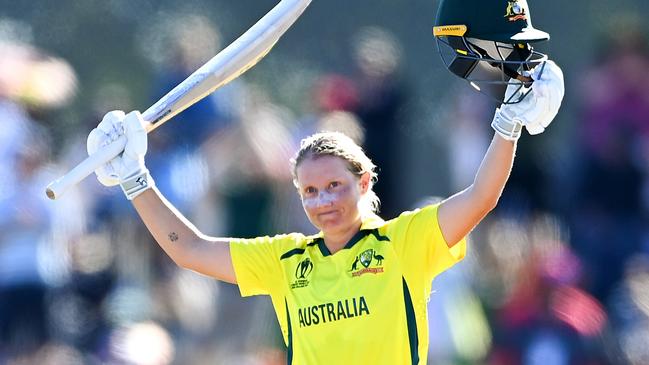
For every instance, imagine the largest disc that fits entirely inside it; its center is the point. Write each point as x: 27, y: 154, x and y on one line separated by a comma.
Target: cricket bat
x: 230, y: 63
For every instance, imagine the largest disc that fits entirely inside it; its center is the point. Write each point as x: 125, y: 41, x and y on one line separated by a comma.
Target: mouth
x: 327, y: 214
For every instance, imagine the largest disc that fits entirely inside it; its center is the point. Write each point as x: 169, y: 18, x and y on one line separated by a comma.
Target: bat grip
x: 59, y: 186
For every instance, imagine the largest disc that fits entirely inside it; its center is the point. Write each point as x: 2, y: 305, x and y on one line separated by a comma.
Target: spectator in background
x: 467, y: 135
x: 615, y: 99
x: 334, y: 97
x: 629, y: 307
x: 192, y: 40
x: 24, y: 226
x: 335, y: 93
x: 381, y: 103
x: 188, y: 42
x: 547, y: 317
x: 368, y: 107
x: 607, y: 214
x: 248, y: 180
x: 31, y: 82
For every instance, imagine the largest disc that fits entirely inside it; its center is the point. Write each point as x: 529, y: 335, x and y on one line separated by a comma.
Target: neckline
x: 369, y: 224
x: 351, y: 243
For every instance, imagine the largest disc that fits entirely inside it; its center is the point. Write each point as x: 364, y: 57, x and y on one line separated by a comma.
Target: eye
x: 334, y: 184
x: 310, y: 190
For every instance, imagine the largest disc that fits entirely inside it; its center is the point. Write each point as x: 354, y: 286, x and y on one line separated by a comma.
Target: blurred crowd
x: 558, y: 274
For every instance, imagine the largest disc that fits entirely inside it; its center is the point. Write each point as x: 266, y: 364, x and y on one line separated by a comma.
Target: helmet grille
x: 489, y: 66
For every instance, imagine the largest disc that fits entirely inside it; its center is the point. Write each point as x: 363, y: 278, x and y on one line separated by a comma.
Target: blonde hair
x: 339, y: 145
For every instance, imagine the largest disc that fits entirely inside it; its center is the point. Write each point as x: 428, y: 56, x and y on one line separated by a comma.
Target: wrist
x: 137, y: 183
x: 506, y: 126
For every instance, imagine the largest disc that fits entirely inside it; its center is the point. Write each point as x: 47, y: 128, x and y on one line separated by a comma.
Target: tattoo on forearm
x: 173, y: 236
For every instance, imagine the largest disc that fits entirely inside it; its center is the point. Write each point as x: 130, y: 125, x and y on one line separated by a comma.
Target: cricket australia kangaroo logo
x: 516, y: 10
x: 367, y: 262
x: 302, y: 272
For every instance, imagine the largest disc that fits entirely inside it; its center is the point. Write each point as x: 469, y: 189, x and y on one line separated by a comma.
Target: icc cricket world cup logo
x: 303, y: 269
x: 302, y: 272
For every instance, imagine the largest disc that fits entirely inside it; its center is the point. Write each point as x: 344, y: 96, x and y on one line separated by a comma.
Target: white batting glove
x: 537, y: 110
x: 128, y: 168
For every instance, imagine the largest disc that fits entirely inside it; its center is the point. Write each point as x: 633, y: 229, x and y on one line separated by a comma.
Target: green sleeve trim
x: 413, y: 337
x: 293, y: 252
x: 289, y: 351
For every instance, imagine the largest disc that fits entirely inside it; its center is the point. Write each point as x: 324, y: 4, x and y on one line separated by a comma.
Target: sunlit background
x: 558, y: 274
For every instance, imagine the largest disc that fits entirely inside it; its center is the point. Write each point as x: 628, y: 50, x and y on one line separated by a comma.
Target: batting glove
x: 537, y: 110
x: 127, y: 169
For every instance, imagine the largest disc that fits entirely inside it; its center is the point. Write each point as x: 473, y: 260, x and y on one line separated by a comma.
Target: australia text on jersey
x: 330, y: 312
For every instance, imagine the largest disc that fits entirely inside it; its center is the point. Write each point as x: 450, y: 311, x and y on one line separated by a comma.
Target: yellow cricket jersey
x: 365, y: 304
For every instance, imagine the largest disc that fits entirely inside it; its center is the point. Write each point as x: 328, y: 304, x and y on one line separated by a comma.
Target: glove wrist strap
x: 136, y: 184
x: 508, y: 128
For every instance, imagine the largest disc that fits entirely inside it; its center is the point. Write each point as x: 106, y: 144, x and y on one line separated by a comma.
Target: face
x: 330, y: 193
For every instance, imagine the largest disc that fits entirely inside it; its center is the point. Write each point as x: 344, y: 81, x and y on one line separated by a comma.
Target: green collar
x: 369, y: 225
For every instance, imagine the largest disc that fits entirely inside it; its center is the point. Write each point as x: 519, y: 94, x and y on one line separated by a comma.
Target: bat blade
x: 242, y: 54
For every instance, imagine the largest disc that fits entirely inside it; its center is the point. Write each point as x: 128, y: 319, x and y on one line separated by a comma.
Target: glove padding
x: 129, y: 165
x: 537, y: 110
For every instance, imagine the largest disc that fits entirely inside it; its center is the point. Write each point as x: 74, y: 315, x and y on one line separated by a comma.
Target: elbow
x: 491, y: 203
x: 486, y: 204
x: 181, y: 262
x: 484, y: 201
x: 186, y: 253
x: 183, y: 257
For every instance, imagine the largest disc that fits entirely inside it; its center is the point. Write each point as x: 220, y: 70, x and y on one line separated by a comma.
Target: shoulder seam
x: 293, y: 252
x: 378, y: 236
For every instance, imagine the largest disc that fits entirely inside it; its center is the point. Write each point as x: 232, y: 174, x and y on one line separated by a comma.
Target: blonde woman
x: 356, y: 292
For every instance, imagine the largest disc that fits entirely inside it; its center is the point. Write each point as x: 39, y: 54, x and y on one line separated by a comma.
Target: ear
x: 364, y: 182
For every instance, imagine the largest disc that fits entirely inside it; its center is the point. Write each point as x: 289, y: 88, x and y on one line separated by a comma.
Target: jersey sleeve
x: 256, y: 264
x: 422, y: 247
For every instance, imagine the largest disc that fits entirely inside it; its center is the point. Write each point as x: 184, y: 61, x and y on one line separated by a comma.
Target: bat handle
x: 59, y: 186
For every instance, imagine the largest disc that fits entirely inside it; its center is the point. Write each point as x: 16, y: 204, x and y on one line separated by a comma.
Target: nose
x: 325, y: 199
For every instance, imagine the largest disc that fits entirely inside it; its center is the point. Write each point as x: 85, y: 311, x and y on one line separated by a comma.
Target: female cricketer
x: 356, y: 292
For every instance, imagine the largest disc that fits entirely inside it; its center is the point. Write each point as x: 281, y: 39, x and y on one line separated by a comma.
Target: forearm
x: 494, y: 171
x: 460, y: 213
x: 181, y: 240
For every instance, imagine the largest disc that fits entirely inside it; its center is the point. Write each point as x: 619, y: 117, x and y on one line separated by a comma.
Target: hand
x: 128, y: 168
x: 537, y: 110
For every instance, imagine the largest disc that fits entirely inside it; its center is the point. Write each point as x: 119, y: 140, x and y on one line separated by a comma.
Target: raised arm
x: 460, y: 213
x: 178, y: 237
x: 183, y: 242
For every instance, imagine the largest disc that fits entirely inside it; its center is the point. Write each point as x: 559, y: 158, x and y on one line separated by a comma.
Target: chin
x: 328, y: 225
x: 334, y: 225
